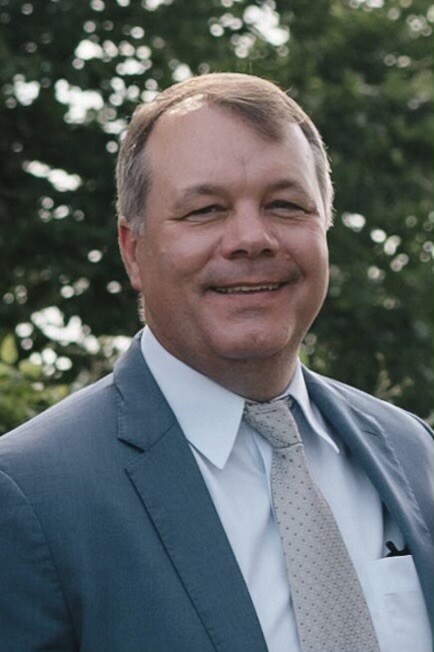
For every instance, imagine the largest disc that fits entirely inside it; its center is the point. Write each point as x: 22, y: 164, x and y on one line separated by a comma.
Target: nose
x: 247, y: 233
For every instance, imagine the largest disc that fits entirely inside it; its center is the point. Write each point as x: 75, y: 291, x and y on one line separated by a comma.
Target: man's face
x: 233, y: 261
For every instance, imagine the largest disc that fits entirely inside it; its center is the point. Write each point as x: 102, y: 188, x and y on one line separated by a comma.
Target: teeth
x: 249, y: 288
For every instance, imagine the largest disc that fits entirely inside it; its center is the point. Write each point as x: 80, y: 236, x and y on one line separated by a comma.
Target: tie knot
x: 274, y: 421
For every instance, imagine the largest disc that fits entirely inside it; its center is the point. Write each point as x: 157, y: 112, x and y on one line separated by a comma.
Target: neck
x: 262, y: 383
x: 257, y: 380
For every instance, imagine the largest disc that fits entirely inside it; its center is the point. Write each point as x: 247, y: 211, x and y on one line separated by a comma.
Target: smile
x: 245, y: 289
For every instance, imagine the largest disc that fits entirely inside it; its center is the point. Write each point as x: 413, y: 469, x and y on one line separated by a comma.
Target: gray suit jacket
x: 109, y: 541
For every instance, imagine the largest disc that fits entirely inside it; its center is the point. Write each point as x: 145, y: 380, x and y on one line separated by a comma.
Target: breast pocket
x: 399, y: 612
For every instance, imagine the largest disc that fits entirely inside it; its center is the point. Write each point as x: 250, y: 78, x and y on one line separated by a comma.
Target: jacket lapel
x: 374, y: 449
x: 168, y: 480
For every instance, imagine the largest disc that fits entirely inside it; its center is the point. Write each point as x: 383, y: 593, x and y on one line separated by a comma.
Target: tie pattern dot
x: 329, y: 605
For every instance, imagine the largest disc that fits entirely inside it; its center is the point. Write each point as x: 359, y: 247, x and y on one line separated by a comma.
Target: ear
x: 129, y: 244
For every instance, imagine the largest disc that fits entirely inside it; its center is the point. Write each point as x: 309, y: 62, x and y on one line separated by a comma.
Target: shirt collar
x: 298, y: 390
x: 209, y: 414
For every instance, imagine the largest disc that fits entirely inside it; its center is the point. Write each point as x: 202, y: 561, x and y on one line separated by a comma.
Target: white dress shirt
x: 235, y: 462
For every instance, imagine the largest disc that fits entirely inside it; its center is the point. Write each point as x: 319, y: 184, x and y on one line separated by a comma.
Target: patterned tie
x: 329, y: 605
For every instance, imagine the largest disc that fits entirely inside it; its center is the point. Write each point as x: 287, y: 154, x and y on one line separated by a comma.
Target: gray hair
x: 258, y: 101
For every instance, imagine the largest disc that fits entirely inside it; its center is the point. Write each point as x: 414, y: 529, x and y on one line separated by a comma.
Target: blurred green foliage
x: 72, y: 73
x: 23, y: 392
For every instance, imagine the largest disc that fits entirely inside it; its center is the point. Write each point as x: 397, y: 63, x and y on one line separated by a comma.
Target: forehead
x: 207, y: 142
x: 199, y: 113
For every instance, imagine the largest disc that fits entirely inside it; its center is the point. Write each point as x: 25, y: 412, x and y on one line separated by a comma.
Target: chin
x: 253, y: 347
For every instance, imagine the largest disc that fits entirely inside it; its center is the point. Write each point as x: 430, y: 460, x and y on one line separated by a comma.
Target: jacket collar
x: 143, y: 413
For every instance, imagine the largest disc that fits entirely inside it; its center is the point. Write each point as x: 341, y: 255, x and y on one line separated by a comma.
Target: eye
x: 284, y: 205
x: 206, y: 211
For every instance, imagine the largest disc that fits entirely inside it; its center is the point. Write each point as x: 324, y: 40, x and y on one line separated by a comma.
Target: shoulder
x: 78, y: 440
x: 394, y: 446
x: 389, y: 417
x: 62, y: 430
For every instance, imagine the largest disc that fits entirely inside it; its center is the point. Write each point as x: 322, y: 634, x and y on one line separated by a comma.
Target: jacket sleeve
x: 33, y: 611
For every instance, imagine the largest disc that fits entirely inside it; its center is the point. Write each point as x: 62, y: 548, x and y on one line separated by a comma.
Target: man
x: 154, y: 511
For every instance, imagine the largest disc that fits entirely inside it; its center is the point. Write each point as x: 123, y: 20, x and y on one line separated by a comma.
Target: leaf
x: 8, y: 350
x: 6, y: 370
x: 30, y: 370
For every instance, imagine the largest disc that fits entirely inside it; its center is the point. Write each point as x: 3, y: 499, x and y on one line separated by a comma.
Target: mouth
x: 248, y: 288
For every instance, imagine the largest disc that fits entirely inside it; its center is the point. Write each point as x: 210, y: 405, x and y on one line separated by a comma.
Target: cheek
x: 168, y: 275
x: 309, y: 252
x: 184, y: 259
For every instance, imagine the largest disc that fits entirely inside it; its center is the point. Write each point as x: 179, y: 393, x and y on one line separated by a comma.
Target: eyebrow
x: 200, y: 190
x: 290, y: 184
x: 207, y: 189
